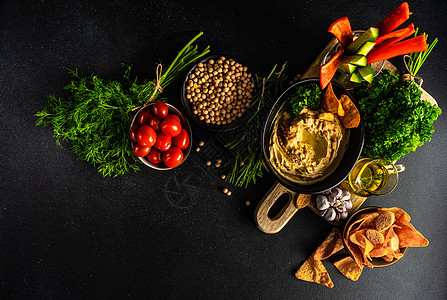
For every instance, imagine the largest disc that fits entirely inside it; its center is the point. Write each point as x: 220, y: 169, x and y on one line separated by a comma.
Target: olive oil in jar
x: 374, y: 177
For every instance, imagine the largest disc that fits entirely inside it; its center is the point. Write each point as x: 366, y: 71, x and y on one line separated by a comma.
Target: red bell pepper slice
x: 405, y: 32
x: 341, y: 29
x: 328, y: 70
x: 394, y: 19
x: 416, y: 44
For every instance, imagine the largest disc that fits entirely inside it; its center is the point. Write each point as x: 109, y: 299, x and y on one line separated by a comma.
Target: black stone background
x: 68, y: 233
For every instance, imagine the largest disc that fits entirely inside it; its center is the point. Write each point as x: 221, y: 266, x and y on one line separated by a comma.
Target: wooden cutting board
x: 275, y: 224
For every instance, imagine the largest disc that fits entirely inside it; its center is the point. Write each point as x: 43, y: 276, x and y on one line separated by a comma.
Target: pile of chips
x: 382, y: 233
x: 344, y: 108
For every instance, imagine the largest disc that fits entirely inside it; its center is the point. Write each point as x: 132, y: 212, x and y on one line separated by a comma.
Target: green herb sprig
x: 246, y: 164
x: 418, y: 58
x: 95, y: 116
x: 305, y: 95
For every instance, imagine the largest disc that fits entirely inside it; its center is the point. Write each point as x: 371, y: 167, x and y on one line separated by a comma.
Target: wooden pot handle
x: 275, y: 224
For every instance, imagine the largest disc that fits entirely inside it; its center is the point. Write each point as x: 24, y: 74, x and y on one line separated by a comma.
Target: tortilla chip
x: 351, y: 118
x: 355, y: 252
x: 331, y: 102
x: 348, y: 267
x: 398, y: 213
x: 359, y: 238
x: 368, y: 220
x: 409, y: 236
x: 382, y: 251
x: 313, y: 270
x: 332, y: 244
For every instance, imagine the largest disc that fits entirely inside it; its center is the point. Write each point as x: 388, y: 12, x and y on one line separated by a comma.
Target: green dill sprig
x: 95, y: 116
x: 418, y: 58
x: 246, y: 164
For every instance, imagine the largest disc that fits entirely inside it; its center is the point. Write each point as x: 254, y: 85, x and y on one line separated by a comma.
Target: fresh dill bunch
x: 95, y: 116
x: 246, y: 164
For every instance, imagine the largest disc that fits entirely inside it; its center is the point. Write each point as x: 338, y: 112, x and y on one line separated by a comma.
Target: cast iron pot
x: 347, y: 163
x: 293, y: 189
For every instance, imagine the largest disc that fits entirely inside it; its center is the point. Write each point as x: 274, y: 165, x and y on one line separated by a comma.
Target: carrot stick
x: 416, y: 44
x: 394, y: 19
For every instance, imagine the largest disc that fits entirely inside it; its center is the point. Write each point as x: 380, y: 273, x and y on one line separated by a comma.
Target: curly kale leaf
x: 396, y: 120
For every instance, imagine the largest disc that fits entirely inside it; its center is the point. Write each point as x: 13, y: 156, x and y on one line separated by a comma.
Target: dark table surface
x: 67, y: 232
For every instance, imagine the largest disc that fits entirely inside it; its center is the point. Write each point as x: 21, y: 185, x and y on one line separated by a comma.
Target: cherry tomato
x: 163, y: 142
x: 154, y: 156
x: 140, y: 150
x: 144, y: 116
x: 173, y: 157
x: 174, y: 116
x: 160, y: 109
x: 170, y: 126
x: 181, y: 140
x: 154, y: 122
x: 146, y: 136
x: 133, y: 133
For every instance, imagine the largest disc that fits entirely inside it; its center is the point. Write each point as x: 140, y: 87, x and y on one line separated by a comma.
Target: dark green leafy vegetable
x: 308, y: 95
x: 95, y: 116
x: 396, y: 120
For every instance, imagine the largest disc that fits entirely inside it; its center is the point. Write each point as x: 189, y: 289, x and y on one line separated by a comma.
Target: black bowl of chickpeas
x: 217, y: 91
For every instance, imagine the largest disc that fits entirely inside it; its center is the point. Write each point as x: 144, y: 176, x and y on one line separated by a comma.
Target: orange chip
x: 351, y: 118
x: 368, y: 220
x: 331, y: 102
x: 353, y: 227
x: 398, y: 213
x: 382, y: 251
x: 409, y: 236
x: 382, y: 234
x: 359, y: 238
x: 348, y: 267
x: 332, y: 244
x: 355, y: 252
x: 313, y: 270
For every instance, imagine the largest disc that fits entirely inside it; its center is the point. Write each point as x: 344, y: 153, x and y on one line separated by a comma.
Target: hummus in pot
x: 306, y: 149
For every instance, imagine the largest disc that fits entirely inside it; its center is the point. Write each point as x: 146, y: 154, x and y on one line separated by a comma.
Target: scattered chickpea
x: 217, y: 165
x: 229, y: 193
x: 247, y: 203
x: 201, y: 143
x: 197, y: 149
x: 208, y: 163
x: 223, y: 176
x: 219, y: 161
x: 225, y: 190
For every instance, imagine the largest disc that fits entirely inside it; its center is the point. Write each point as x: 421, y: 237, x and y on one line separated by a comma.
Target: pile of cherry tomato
x: 159, y: 136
